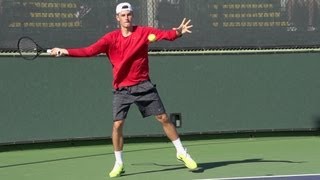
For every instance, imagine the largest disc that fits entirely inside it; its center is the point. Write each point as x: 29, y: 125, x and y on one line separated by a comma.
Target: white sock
x: 118, y: 156
x: 178, y: 145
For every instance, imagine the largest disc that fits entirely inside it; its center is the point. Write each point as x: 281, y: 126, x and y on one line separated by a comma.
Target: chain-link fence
x: 217, y: 23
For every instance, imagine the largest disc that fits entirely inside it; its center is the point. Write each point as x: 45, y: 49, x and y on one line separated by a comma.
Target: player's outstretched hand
x: 185, y: 27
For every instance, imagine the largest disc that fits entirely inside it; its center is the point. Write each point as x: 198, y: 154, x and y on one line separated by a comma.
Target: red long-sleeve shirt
x: 128, y: 55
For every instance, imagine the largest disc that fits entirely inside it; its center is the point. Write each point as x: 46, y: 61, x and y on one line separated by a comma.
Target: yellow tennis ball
x: 152, y: 38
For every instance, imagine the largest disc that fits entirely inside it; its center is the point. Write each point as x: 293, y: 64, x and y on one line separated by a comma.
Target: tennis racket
x: 29, y: 49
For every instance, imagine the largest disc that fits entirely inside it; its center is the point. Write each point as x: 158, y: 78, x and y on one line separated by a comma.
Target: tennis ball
x: 152, y: 38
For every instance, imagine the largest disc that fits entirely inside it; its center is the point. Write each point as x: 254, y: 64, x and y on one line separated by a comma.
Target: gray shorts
x: 144, y: 95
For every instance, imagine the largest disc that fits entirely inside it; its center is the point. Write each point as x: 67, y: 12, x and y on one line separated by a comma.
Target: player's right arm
x: 94, y: 49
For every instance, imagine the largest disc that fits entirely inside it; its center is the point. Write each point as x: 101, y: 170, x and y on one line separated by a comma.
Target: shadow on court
x: 53, y: 160
x: 211, y: 165
x: 204, y: 166
x: 169, y: 168
x: 76, y: 157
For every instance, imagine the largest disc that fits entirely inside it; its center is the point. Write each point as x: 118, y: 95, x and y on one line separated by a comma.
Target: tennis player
x: 127, y: 50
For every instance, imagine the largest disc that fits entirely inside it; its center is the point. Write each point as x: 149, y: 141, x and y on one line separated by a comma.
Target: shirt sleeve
x: 94, y: 49
x: 169, y: 35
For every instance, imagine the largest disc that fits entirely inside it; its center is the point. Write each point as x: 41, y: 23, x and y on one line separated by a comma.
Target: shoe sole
x: 186, y: 165
x: 122, y: 172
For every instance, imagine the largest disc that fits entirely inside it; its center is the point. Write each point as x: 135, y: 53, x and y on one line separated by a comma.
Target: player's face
x: 125, y: 19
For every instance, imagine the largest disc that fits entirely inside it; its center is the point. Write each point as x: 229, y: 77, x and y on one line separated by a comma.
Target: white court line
x: 254, y: 177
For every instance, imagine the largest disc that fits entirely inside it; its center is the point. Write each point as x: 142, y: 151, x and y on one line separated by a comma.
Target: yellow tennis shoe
x: 187, y: 160
x: 117, y: 170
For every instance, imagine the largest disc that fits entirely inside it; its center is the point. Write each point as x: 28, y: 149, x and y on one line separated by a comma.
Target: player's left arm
x: 172, y: 34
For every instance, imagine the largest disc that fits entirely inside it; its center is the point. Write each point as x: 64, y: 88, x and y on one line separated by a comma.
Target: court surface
x: 285, y: 158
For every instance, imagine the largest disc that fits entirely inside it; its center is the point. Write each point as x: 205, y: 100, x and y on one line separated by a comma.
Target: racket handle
x: 49, y: 51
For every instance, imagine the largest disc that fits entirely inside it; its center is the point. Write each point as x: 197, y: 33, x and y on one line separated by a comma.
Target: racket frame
x: 39, y: 50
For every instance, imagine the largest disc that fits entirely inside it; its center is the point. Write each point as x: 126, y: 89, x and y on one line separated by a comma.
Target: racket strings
x: 28, y: 48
